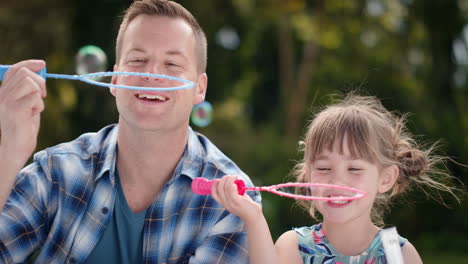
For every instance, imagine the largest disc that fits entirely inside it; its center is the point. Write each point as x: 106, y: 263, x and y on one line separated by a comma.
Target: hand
x: 21, y: 102
x: 224, y: 191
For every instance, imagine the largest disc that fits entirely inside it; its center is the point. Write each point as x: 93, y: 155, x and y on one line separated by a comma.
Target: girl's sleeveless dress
x: 315, y: 248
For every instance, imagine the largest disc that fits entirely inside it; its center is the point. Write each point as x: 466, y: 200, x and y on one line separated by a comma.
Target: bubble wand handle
x: 4, y: 69
x: 202, y: 186
x: 43, y: 73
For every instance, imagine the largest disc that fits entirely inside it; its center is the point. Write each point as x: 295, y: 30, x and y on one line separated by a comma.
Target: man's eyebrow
x: 169, y: 52
x: 137, y: 49
x: 176, y: 53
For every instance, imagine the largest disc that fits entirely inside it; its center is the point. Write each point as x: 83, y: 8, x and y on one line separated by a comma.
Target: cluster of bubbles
x: 91, y: 58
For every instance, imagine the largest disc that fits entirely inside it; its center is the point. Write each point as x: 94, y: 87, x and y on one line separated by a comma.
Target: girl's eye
x: 323, y: 169
x: 355, y: 169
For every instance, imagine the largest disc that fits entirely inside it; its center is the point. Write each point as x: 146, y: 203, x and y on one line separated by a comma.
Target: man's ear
x: 114, y: 81
x: 388, y: 178
x: 200, y: 88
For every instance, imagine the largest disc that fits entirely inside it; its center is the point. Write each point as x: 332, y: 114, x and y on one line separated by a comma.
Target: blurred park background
x: 271, y: 64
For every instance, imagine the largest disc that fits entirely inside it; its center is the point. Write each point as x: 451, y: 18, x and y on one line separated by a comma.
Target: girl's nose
x: 337, y: 178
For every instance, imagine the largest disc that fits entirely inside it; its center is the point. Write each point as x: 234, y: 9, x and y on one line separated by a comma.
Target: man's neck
x: 146, y: 160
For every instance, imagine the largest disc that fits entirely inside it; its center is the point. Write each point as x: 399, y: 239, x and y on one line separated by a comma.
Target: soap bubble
x: 90, y: 59
x: 202, y: 114
x: 228, y: 38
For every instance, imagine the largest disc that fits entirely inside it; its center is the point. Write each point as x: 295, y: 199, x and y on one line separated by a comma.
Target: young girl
x: 356, y: 143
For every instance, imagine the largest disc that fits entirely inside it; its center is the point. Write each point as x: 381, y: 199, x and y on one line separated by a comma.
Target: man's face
x: 159, y: 45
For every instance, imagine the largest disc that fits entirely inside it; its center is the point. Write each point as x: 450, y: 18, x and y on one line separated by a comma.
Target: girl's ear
x: 388, y: 178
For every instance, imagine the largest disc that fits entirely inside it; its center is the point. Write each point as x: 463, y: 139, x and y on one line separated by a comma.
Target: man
x: 121, y: 195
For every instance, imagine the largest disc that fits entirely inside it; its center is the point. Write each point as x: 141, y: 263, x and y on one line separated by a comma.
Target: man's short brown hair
x: 169, y: 9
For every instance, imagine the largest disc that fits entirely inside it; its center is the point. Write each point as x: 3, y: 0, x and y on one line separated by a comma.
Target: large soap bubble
x: 90, y: 59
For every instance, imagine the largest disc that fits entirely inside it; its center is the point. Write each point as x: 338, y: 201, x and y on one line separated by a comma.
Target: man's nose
x: 154, y: 69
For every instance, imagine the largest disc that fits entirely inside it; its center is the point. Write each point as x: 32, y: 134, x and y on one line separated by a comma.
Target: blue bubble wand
x: 88, y: 78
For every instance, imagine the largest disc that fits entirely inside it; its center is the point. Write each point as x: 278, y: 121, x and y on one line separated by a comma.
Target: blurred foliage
x: 289, y: 56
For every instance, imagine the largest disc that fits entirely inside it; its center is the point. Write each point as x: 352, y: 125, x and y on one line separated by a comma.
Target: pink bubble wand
x: 202, y: 186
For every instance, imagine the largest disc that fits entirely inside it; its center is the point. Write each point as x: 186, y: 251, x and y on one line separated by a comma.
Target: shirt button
x: 105, y: 210
x: 72, y: 260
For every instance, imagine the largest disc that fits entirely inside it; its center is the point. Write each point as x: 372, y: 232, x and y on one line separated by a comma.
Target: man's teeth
x: 152, y: 97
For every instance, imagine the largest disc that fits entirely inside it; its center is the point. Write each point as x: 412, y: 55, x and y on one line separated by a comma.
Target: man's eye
x: 136, y: 61
x: 355, y: 169
x: 170, y: 64
x: 323, y: 169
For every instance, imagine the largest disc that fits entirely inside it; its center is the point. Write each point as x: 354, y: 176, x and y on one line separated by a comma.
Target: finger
x: 222, y: 185
x: 22, y: 69
x: 33, y: 103
x: 230, y: 187
x: 231, y: 195
x: 33, y: 65
x: 41, y: 82
x: 221, y: 191
x: 230, y: 191
x: 24, y: 84
x: 38, y: 106
x: 214, y: 190
x: 233, y: 189
x: 24, y: 116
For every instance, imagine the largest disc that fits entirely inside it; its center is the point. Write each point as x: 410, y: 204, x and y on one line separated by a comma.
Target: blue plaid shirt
x: 63, y: 201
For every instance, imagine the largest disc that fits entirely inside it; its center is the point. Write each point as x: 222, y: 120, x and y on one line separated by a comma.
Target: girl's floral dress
x: 315, y: 248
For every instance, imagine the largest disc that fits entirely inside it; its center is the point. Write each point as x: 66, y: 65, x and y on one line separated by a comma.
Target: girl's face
x: 338, y: 167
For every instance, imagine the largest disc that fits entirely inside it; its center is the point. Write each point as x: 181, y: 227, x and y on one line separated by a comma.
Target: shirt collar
x: 108, y: 156
x: 191, y: 162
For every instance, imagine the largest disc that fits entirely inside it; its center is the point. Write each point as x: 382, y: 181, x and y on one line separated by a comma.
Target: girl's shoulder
x: 286, y: 248
x: 287, y: 239
x: 410, y: 254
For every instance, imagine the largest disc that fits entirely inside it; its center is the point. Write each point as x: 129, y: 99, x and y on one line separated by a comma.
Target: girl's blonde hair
x: 378, y: 136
